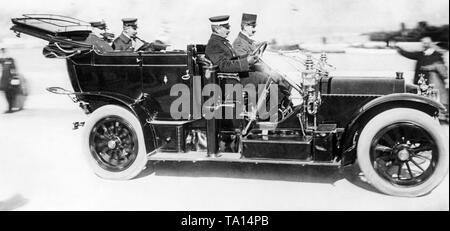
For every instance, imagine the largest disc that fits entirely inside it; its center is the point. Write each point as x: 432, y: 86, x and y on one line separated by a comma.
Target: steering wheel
x: 259, y: 51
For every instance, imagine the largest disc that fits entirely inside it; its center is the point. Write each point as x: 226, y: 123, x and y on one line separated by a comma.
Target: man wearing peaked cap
x: 243, y: 44
x: 220, y: 51
x: 222, y: 54
x: 97, y: 37
x: 128, y: 40
x: 101, y: 28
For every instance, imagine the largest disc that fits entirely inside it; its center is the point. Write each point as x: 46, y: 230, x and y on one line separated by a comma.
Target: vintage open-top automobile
x: 386, y: 126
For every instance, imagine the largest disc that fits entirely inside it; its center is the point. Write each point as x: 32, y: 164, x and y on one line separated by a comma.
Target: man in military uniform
x: 221, y: 53
x: 102, y: 33
x: 98, y: 39
x: 128, y: 40
x: 243, y: 44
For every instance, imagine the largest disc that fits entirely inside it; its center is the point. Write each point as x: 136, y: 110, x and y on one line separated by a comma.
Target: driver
x: 128, y: 40
x: 243, y: 44
x: 221, y: 53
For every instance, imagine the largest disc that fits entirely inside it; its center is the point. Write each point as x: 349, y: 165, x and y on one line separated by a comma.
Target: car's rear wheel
x: 403, y: 152
x: 113, y: 143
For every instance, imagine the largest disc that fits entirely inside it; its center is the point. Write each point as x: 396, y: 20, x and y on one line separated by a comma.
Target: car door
x: 161, y: 71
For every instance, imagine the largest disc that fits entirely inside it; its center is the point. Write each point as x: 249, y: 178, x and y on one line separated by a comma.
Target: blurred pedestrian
x: 12, y: 83
x: 438, y: 76
x: 430, y: 64
x: 428, y: 56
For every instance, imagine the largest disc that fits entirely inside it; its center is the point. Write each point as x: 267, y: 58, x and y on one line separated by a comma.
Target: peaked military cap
x: 100, y: 25
x: 249, y: 19
x: 129, y: 22
x: 219, y: 20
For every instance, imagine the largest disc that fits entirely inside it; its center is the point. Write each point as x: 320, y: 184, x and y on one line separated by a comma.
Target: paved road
x: 42, y: 168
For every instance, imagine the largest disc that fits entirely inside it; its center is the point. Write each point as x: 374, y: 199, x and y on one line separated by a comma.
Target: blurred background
x: 358, y: 35
x: 286, y: 21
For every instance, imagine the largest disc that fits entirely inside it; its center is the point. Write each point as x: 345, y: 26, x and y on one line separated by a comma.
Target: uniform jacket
x: 222, y: 54
x: 243, y: 45
x: 122, y: 43
x: 8, y: 71
x: 422, y: 60
x: 98, y: 43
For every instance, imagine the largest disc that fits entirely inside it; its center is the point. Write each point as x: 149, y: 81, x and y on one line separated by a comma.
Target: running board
x: 228, y: 157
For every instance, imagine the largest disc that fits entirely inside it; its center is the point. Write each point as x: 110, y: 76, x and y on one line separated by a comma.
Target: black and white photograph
x: 214, y: 105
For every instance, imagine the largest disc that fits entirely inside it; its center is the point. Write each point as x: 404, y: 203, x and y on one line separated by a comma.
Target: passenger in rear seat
x: 128, y: 40
x: 95, y: 38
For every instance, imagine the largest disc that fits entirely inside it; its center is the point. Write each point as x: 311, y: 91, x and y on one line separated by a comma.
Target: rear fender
x: 347, y: 149
x: 144, y: 109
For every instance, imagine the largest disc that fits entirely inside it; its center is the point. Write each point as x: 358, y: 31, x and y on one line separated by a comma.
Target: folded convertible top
x: 54, y: 28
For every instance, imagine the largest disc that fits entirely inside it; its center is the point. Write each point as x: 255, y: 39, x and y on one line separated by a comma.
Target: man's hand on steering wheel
x: 259, y: 51
x: 252, y: 59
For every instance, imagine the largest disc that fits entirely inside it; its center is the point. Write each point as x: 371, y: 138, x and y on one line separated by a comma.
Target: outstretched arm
x: 407, y: 54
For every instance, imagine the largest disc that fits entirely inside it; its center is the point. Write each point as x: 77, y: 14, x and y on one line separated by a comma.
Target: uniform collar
x: 224, y: 41
x: 218, y: 37
x: 245, y: 37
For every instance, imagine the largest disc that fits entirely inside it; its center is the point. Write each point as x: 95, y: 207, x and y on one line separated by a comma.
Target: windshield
x: 289, y: 64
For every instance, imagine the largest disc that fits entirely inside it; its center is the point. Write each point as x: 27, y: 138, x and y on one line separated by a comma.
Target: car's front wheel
x: 403, y: 152
x: 113, y: 143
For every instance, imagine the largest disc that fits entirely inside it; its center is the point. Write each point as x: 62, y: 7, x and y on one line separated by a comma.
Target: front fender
x: 404, y: 97
x: 376, y: 106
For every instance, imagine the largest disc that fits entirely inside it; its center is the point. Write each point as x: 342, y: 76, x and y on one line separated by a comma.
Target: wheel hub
x: 112, y: 144
x: 403, y: 155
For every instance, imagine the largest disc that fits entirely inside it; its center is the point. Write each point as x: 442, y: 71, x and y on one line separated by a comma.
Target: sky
x: 288, y: 21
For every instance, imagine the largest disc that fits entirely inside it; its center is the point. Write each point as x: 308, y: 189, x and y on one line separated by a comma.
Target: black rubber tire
x: 140, y: 160
x: 424, y: 121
